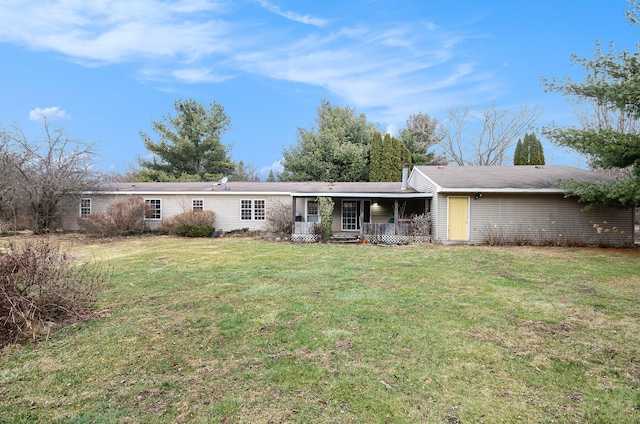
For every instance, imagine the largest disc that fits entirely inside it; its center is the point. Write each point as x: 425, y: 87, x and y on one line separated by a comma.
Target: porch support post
x: 396, y: 216
x: 361, y: 218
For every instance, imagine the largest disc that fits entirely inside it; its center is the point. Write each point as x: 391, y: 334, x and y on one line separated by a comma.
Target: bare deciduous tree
x: 8, y: 178
x: 483, y: 138
x: 47, y: 173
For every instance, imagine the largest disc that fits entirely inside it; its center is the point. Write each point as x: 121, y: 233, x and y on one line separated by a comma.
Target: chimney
x: 405, y: 176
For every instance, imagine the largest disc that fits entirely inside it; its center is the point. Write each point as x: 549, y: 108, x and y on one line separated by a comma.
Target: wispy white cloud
x: 293, y: 16
x: 116, y: 31
x: 388, y: 71
x: 373, y: 70
x: 50, y: 113
x: 199, y: 75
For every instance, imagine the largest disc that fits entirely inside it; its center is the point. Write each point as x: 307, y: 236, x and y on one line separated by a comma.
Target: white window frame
x: 153, y: 209
x: 342, y: 216
x: 246, y: 210
x: 311, y: 217
x: 85, y: 210
x: 253, y: 209
x: 260, y: 209
x: 197, y: 204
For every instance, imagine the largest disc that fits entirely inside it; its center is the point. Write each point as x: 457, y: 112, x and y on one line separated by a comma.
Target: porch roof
x: 522, y: 178
x: 356, y: 189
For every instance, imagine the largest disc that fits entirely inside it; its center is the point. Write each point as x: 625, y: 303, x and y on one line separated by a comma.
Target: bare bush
x: 39, y: 285
x: 279, y: 219
x: 494, y: 235
x: 421, y: 225
x: 200, y: 222
x: 521, y: 235
x: 121, y: 219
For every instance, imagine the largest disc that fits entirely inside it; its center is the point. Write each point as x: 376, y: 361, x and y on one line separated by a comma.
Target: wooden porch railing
x: 304, y: 228
x: 401, y: 228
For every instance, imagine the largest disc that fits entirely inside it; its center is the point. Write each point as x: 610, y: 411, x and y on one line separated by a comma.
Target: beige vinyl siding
x: 336, y: 225
x: 381, y: 212
x: 421, y: 183
x: 226, y: 207
x: 538, y: 218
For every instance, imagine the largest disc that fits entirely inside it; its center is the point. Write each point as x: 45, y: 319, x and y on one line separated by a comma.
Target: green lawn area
x: 241, y: 330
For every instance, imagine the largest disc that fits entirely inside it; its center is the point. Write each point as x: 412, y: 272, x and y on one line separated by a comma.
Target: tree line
x: 37, y: 177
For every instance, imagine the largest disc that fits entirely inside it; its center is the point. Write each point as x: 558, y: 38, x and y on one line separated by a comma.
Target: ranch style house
x: 468, y: 204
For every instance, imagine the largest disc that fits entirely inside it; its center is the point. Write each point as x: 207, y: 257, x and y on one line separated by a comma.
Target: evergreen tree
x: 338, y: 149
x: 517, y: 156
x: 271, y: 178
x: 375, y: 173
x: 529, y: 151
x: 388, y: 156
x: 611, y: 82
x: 189, y: 144
x: 536, y: 152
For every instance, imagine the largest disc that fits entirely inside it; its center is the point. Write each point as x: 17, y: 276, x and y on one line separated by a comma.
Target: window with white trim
x: 153, y: 209
x: 350, y: 215
x: 197, y: 204
x: 246, y: 210
x: 259, y: 210
x: 312, y: 211
x: 253, y: 210
x: 85, y: 207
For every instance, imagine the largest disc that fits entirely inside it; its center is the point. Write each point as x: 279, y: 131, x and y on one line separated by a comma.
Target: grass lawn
x: 240, y: 330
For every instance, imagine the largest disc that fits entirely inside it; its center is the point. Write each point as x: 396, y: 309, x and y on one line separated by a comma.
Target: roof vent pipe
x: 405, y: 176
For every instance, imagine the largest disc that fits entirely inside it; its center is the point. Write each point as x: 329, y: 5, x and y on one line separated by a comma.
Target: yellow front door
x: 458, y: 218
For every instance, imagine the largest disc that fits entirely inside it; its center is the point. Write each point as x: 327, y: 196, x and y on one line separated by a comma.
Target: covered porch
x: 377, y: 219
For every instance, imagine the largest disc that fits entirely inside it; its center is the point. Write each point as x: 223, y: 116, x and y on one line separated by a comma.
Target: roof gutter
x: 362, y: 195
x: 499, y: 190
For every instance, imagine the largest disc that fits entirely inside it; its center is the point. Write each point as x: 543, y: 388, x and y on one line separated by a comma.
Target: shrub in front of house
x: 187, y: 230
x: 40, y: 286
x: 190, y: 224
x: 123, y: 218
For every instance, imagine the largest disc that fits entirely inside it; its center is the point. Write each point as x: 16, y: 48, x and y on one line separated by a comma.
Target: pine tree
x: 376, y: 155
x: 388, y: 156
x: 189, y: 144
x: 529, y: 151
x: 536, y: 152
x: 611, y: 84
x: 517, y: 156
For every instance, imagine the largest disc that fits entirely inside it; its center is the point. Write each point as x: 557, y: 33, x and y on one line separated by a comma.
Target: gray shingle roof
x: 504, y: 178
x: 257, y: 187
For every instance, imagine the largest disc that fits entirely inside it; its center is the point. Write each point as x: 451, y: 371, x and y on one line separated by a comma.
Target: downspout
x: 361, y: 219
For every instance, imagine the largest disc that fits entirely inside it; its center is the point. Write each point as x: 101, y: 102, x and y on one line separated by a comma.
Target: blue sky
x: 104, y: 69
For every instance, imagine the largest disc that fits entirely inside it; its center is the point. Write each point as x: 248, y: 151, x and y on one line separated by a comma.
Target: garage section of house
x: 517, y: 205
